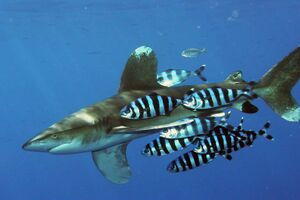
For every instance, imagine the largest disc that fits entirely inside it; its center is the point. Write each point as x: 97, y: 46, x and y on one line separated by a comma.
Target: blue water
x: 58, y: 56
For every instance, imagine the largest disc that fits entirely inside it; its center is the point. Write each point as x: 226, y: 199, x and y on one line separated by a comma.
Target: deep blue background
x: 57, y: 56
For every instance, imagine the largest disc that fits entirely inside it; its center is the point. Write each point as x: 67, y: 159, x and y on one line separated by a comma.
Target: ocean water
x: 58, y: 56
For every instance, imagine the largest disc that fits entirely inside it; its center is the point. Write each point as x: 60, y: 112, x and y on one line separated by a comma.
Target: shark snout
x: 26, y: 145
x: 38, y: 143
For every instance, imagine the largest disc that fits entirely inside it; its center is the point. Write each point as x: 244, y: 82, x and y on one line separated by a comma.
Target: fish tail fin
x: 199, y: 73
x: 276, y: 85
x: 263, y: 131
x: 236, y: 131
x: 240, y: 126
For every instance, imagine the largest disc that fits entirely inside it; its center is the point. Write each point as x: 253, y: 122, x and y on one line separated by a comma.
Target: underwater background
x: 58, y: 56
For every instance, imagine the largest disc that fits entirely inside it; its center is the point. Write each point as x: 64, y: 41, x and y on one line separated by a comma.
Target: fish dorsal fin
x: 112, y: 163
x: 236, y: 76
x: 140, y: 71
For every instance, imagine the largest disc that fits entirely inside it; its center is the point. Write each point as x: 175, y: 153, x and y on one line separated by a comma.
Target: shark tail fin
x: 276, y: 85
x: 112, y: 163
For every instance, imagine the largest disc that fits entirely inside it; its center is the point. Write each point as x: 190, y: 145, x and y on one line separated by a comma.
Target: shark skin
x: 99, y: 129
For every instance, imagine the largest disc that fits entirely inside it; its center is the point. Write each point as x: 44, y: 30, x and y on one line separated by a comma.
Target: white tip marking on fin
x: 143, y: 50
x: 293, y: 115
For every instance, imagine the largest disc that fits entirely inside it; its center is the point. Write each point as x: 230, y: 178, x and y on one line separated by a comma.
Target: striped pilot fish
x: 173, y: 77
x: 221, y: 139
x: 199, y: 126
x: 218, y: 98
x: 162, y: 146
x: 190, y: 160
x: 194, y: 158
x: 150, y: 106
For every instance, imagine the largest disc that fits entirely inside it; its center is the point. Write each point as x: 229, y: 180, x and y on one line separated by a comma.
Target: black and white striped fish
x: 149, y: 106
x: 162, y: 146
x: 189, y: 160
x: 220, y: 139
x: 218, y: 98
x: 173, y: 77
x: 194, y: 159
x: 198, y: 126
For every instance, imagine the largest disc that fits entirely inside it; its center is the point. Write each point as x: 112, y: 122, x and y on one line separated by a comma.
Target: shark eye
x: 54, y: 136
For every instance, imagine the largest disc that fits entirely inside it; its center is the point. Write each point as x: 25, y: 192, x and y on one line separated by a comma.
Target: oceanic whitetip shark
x: 99, y: 129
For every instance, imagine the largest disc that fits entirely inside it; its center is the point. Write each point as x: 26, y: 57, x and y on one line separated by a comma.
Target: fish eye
x: 127, y: 111
x: 190, y: 100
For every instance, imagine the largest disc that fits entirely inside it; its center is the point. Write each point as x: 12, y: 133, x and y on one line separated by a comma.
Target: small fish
x: 162, y: 146
x: 218, y: 141
x: 199, y: 126
x: 189, y: 160
x: 149, y: 106
x: 222, y: 140
x: 173, y: 77
x: 195, y: 159
x: 216, y: 98
x: 193, y: 52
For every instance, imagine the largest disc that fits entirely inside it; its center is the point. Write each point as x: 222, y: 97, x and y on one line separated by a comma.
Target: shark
x: 99, y: 129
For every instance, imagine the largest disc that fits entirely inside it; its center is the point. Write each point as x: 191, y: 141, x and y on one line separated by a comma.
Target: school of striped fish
x: 206, y: 137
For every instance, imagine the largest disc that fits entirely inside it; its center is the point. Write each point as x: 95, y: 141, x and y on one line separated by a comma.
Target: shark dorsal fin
x: 140, y: 71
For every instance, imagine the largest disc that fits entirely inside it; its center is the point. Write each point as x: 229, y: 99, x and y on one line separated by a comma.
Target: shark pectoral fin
x: 140, y: 72
x: 113, y: 164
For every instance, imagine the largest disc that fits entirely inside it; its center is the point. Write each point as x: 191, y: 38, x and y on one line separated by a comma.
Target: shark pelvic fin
x: 140, y: 71
x: 276, y: 85
x: 112, y: 163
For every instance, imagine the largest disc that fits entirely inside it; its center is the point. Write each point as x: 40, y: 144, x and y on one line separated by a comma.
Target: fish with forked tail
x: 222, y: 142
x: 218, y: 98
x: 173, y: 77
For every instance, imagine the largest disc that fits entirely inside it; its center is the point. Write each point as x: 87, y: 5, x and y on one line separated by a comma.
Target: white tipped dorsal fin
x: 112, y: 163
x: 140, y: 71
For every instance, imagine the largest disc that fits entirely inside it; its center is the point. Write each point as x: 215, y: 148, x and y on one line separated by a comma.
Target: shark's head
x: 57, y: 142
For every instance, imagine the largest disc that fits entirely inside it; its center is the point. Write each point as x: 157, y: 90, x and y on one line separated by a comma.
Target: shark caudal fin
x: 140, y: 72
x: 112, y: 163
x: 276, y: 85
